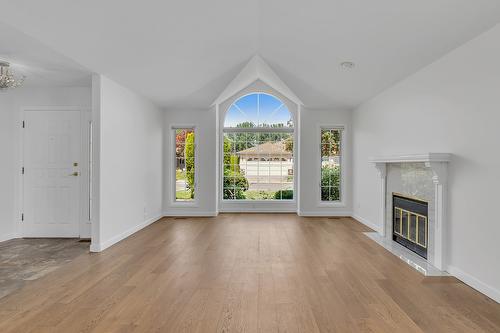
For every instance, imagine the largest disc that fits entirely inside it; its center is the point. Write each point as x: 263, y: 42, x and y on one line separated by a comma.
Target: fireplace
x: 417, y: 184
x: 410, y: 223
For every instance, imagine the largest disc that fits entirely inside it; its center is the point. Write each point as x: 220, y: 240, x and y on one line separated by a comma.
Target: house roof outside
x: 268, y: 148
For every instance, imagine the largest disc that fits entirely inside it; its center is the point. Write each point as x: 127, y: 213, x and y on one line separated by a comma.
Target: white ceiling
x: 184, y: 53
x: 41, y: 65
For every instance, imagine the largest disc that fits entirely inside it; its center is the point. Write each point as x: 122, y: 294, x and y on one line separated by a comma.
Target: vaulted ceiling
x: 183, y: 53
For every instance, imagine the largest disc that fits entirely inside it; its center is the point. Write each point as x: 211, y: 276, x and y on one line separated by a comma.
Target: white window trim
x: 246, y: 202
x: 331, y: 204
x: 173, y: 202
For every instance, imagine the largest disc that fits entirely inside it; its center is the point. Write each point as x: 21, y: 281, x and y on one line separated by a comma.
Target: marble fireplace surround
x: 422, y: 176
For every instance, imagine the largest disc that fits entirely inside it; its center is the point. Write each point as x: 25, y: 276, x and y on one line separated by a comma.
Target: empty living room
x: 249, y: 166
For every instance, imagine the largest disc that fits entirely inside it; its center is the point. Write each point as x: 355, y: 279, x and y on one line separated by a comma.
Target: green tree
x: 330, y: 183
x: 227, y: 152
x: 235, y: 185
x: 235, y: 163
x: 246, y: 124
x: 289, y: 144
x: 189, y: 154
x: 330, y: 142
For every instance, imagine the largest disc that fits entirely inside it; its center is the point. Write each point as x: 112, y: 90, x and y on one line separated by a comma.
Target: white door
x: 51, y: 179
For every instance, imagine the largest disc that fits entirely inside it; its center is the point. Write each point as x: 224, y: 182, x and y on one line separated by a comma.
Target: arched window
x: 258, y: 149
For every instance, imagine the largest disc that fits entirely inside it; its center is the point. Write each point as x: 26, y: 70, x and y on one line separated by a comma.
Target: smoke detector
x: 347, y: 65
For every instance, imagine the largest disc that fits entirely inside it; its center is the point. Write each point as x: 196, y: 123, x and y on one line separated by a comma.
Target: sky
x: 258, y: 108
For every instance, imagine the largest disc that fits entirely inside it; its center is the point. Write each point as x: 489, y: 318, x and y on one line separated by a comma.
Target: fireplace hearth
x: 410, y: 223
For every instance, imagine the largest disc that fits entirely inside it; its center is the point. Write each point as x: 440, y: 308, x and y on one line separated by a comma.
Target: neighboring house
x: 268, y: 151
x: 331, y: 161
x: 269, y: 159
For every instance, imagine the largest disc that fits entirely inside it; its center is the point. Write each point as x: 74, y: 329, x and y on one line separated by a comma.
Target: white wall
x: 128, y: 162
x: 204, y: 122
x: 11, y: 102
x: 451, y: 106
x: 310, y: 122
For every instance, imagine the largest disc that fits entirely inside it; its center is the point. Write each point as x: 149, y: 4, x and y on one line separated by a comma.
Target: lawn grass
x: 183, y: 195
x: 180, y: 175
x: 259, y: 195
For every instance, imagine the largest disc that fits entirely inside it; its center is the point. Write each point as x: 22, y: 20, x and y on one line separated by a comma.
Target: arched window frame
x: 291, y: 205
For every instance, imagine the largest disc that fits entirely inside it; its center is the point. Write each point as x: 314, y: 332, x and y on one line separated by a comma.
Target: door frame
x: 84, y: 223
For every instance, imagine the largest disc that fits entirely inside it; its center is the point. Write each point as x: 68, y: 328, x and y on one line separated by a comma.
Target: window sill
x: 225, y: 201
x: 184, y: 204
x: 333, y: 204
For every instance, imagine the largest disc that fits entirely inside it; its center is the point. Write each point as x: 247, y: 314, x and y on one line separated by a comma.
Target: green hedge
x: 284, y: 194
x: 189, y: 154
x: 330, y: 183
x: 237, y: 189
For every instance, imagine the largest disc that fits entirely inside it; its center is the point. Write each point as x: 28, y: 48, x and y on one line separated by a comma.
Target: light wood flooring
x: 246, y: 273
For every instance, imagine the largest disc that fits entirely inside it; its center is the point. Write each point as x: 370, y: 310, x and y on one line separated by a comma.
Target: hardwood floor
x: 248, y: 272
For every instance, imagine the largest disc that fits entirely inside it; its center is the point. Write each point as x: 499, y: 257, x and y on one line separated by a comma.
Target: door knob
x: 75, y: 174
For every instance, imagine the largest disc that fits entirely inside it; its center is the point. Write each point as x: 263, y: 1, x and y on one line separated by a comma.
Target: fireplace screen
x: 410, y: 223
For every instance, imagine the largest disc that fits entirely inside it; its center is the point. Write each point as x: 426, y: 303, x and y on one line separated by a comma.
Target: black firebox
x: 410, y: 223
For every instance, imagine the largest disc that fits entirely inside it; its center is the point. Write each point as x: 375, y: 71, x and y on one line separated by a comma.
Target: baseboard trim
x: 324, y: 213
x: 473, y: 282
x: 258, y: 210
x: 366, y: 222
x: 113, y: 240
x: 191, y: 214
x: 7, y: 237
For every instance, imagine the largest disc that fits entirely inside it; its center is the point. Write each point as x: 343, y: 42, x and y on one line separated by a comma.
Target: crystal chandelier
x: 7, y: 79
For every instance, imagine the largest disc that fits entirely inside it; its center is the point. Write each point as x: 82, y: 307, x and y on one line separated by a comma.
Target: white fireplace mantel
x: 437, y: 163
x: 414, y: 158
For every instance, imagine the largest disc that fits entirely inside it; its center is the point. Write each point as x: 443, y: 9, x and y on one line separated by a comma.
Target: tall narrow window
x: 184, y: 164
x: 258, y: 150
x: 331, y: 155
